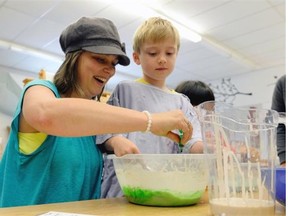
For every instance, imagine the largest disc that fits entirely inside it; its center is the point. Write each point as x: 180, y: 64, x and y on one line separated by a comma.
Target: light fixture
x: 30, y: 51
x: 229, y: 53
x: 182, y: 25
x: 152, y: 8
x: 186, y: 28
x: 187, y: 33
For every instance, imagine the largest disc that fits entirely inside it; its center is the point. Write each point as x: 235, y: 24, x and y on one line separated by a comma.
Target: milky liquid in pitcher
x: 233, y: 200
x: 236, y: 207
x: 243, y: 142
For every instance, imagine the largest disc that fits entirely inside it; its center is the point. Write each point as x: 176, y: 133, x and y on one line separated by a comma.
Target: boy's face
x: 157, y: 59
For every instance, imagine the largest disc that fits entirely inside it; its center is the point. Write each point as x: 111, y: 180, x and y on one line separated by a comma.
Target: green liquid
x: 160, y: 198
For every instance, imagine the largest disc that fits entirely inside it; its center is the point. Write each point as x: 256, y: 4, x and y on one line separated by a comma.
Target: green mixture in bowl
x: 160, y: 198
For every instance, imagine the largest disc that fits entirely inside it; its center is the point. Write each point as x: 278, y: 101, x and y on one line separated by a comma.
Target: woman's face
x: 94, y: 71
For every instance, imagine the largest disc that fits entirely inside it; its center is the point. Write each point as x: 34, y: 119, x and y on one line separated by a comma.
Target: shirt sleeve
x: 193, y: 118
x: 279, y: 104
x: 113, y: 100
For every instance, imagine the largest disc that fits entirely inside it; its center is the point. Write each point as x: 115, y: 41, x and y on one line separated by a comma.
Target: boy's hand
x: 121, y: 146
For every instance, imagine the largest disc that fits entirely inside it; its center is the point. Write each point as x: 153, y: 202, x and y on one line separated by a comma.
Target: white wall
x: 5, y: 121
x: 260, y: 83
x: 10, y: 87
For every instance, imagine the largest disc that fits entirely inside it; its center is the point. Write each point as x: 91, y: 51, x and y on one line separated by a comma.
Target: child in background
x: 156, y: 46
x: 197, y: 91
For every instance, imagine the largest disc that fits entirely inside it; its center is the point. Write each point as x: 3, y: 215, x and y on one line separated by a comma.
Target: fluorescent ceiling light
x: 229, y: 53
x: 187, y: 33
x: 30, y: 51
x: 152, y: 8
x: 186, y: 27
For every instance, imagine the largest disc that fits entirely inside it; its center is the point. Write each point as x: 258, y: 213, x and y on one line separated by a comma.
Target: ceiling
x: 238, y: 36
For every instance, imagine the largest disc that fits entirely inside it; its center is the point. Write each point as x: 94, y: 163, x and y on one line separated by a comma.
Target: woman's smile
x: 100, y: 80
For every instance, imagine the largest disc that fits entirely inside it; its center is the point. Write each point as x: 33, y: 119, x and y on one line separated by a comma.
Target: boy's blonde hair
x: 155, y: 29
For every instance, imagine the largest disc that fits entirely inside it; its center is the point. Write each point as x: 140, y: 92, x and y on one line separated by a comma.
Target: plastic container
x: 280, y: 183
x: 162, y: 179
x: 243, y: 142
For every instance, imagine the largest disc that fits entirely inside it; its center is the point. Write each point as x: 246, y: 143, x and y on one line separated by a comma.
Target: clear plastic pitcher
x: 242, y: 143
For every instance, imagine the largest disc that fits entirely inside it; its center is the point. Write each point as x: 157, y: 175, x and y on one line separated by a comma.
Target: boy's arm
x: 197, y: 148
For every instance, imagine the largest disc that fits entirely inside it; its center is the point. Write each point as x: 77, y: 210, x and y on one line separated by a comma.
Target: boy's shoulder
x: 131, y: 83
x: 126, y: 82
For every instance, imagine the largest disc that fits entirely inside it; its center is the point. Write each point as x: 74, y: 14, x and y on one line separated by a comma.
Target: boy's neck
x: 155, y: 84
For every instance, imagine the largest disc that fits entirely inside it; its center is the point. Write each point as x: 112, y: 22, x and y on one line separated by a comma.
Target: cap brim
x: 109, y: 50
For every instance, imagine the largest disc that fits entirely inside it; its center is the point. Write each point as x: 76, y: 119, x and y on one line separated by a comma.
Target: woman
x: 51, y: 154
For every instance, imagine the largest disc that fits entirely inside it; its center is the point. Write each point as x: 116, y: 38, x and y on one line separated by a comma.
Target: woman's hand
x: 169, y: 123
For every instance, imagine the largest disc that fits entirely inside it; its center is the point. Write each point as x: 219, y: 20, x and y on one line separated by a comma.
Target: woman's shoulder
x: 40, y: 82
x: 45, y: 83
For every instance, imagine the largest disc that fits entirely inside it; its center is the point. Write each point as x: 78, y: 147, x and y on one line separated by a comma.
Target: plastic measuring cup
x: 243, y: 142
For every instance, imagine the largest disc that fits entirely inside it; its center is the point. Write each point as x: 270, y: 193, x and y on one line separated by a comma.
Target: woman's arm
x: 81, y: 117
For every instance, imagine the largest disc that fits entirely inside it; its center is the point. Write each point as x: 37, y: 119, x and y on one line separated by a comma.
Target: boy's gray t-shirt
x: 140, y: 96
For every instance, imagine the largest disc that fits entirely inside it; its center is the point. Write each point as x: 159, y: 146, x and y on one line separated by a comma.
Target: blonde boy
x: 156, y: 45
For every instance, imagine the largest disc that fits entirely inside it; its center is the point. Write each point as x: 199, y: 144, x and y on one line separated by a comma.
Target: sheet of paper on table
x: 54, y: 213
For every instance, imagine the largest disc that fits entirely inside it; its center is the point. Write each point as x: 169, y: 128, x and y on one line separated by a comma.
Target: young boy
x: 156, y: 45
